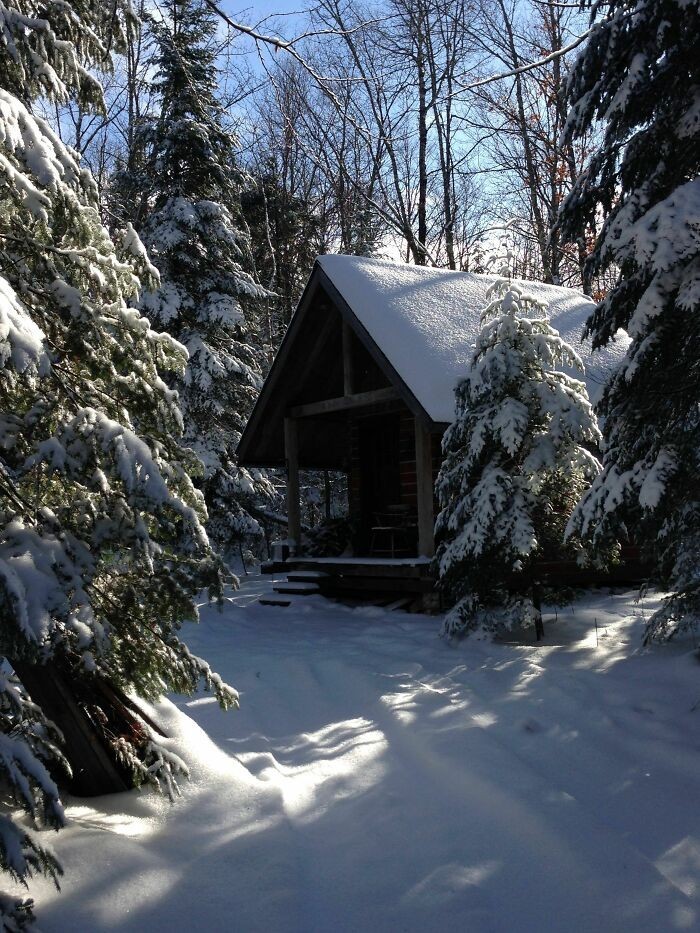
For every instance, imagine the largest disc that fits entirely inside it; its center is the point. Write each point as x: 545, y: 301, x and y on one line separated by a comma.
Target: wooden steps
x: 395, y: 584
x: 298, y: 583
x: 307, y: 576
x: 296, y: 589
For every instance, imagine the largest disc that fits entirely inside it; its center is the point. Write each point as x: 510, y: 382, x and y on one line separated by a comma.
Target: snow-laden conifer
x: 515, y: 459
x: 102, y: 545
x: 193, y: 233
x: 639, y: 78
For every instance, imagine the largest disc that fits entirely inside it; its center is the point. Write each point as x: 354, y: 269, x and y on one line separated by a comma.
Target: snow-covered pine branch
x: 102, y: 545
x: 639, y: 78
x: 206, y: 297
x: 516, y: 458
x: 28, y: 743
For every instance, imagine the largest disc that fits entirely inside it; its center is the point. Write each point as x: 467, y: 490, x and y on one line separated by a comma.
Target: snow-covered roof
x: 426, y: 321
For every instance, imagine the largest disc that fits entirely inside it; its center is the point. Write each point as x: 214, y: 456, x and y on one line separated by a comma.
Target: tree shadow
x: 397, y: 783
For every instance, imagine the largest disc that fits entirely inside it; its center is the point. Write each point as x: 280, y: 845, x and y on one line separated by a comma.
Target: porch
x: 390, y: 463
x: 405, y: 583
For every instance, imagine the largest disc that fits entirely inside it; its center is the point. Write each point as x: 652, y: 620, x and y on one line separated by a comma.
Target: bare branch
x: 530, y: 66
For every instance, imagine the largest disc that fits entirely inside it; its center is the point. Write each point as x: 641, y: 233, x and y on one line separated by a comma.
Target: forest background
x: 374, y: 133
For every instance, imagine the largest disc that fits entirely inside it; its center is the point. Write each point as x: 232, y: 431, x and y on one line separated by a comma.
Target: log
x: 94, y: 770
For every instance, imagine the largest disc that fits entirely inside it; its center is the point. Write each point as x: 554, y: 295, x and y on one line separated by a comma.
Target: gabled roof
x: 419, y: 325
x: 426, y: 322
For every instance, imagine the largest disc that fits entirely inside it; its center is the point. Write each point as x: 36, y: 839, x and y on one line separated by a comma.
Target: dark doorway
x: 380, y: 474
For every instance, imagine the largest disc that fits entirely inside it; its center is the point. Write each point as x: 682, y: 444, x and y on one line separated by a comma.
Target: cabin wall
x: 354, y: 472
x: 407, y: 460
x: 407, y: 463
x: 407, y: 435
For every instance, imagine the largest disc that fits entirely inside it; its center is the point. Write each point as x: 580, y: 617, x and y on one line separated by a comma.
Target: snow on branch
x: 515, y: 460
x: 22, y: 342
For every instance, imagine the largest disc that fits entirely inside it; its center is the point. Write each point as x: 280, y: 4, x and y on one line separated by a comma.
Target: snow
x: 38, y: 152
x: 519, y: 425
x: 378, y: 777
x: 661, y: 239
x: 42, y: 578
x: 426, y: 322
x: 21, y: 340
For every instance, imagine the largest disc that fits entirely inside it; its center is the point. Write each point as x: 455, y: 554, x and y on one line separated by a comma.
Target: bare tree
x: 414, y: 125
x: 284, y: 206
x: 522, y: 119
x: 405, y: 60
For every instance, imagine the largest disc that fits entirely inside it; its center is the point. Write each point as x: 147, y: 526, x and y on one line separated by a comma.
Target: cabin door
x: 380, y: 473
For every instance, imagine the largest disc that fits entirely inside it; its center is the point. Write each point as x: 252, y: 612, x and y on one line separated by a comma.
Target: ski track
x: 377, y: 777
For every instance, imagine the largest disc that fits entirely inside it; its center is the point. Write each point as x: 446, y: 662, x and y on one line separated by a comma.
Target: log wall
x: 407, y: 462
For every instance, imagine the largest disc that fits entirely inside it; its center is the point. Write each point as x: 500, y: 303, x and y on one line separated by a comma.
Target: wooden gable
x: 323, y: 342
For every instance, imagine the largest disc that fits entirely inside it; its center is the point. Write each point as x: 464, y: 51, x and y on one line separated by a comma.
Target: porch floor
x: 364, y: 578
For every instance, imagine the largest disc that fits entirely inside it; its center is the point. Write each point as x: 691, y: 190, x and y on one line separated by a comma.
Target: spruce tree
x: 205, y: 298
x: 102, y: 545
x: 637, y: 82
x: 285, y: 235
x: 516, y: 458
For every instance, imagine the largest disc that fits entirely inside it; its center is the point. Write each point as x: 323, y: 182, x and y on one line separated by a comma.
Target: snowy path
x: 378, y: 778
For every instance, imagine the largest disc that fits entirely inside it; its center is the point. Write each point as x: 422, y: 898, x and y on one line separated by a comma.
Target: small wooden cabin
x: 364, y: 383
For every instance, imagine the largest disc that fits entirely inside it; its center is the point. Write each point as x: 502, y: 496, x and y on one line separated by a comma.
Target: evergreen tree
x: 515, y: 460
x: 205, y: 296
x: 639, y: 77
x: 285, y: 239
x: 102, y: 547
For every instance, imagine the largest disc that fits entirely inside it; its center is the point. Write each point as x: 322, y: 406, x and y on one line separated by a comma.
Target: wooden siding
x: 407, y: 460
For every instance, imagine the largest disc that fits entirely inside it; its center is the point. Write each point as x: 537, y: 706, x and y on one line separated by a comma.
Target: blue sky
x: 253, y: 13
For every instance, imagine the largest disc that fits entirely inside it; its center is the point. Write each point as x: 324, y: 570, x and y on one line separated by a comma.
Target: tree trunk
x: 422, y: 147
x: 327, y: 491
x: 537, y: 603
x: 532, y: 168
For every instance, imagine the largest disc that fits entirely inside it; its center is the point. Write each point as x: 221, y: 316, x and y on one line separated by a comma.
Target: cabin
x: 364, y: 382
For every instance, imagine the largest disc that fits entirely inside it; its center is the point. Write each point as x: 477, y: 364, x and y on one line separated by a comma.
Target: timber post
x: 348, y: 379
x: 424, y: 490
x: 291, y: 453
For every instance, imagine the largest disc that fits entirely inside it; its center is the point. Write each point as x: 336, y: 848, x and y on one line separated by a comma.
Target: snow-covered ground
x: 378, y: 778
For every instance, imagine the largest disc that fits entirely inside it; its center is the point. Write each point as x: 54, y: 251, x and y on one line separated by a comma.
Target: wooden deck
x: 356, y: 577
x: 411, y: 579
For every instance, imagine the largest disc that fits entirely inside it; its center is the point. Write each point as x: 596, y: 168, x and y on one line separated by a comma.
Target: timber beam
x: 345, y: 403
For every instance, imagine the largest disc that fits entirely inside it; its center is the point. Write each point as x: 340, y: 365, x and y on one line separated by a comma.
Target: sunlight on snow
x: 681, y: 865
x: 403, y: 704
x: 121, y: 824
x: 485, y: 719
x: 410, y: 699
x: 684, y: 918
x: 338, y: 761
x: 445, y: 882
x: 202, y: 701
